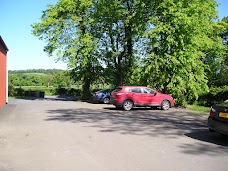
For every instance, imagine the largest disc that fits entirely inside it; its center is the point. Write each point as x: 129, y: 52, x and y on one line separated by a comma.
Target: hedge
x: 215, y: 95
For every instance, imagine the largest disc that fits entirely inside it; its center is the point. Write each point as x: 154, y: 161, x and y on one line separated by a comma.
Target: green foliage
x: 119, y: 25
x: 48, y: 91
x: 26, y: 80
x: 216, y: 58
x: 30, y: 91
x: 178, y: 43
x: 59, y: 79
x: 11, y: 90
x: 62, y: 79
x: 174, y: 46
x: 35, y: 71
x: 52, y: 82
x: 68, y: 92
x: 215, y: 95
x: 66, y: 28
x: 225, y: 103
x: 19, y: 92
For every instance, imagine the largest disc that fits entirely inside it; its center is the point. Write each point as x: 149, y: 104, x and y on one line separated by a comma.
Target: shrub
x: 19, y: 92
x: 11, y: 90
x: 215, y: 95
x: 67, y: 92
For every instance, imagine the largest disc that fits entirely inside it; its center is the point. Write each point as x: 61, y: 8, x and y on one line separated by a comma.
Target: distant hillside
x: 36, y: 71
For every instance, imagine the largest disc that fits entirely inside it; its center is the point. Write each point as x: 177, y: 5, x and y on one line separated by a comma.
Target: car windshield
x: 148, y: 91
x: 225, y: 103
x: 103, y: 91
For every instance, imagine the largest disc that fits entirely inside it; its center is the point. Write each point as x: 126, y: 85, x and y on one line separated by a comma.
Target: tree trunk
x: 86, y: 88
x: 120, y: 71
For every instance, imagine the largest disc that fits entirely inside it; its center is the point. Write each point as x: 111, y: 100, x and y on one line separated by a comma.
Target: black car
x: 218, y: 119
x: 102, y: 96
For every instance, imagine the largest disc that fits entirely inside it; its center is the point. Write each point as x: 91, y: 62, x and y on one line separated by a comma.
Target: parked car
x: 218, y: 118
x: 102, y: 96
x: 127, y: 97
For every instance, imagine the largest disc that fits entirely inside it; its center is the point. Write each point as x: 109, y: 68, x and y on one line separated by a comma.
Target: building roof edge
x: 3, y: 43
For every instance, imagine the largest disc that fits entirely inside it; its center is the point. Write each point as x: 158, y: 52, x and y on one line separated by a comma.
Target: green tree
x: 164, y: 44
x: 48, y: 80
x: 216, y: 57
x: 62, y: 79
x: 179, y: 35
x: 96, y: 38
x: 66, y: 29
x: 119, y: 25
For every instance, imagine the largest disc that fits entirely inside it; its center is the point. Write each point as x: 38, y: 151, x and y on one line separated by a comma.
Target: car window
x: 102, y: 91
x: 117, y: 89
x: 148, y: 91
x: 136, y: 90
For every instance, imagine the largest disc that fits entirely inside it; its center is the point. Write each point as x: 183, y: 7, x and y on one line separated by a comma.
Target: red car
x: 127, y: 97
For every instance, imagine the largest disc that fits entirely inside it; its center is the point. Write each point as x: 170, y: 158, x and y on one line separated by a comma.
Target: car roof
x: 132, y: 86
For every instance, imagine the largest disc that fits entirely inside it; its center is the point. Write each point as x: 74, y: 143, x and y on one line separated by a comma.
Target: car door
x: 150, y: 98
x: 137, y: 96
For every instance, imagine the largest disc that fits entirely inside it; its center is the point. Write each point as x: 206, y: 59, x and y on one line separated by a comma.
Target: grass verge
x: 199, y: 108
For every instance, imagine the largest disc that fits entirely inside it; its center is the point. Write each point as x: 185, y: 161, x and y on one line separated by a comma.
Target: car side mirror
x: 155, y: 93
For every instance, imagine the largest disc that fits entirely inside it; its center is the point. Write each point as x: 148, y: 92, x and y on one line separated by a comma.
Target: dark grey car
x: 218, y: 119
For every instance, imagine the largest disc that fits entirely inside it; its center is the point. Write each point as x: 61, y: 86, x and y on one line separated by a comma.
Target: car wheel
x: 165, y: 105
x: 127, y: 105
x: 211, y: 130
x: 106, y: 100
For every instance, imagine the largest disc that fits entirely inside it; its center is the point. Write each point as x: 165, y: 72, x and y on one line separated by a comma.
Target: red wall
x: 2, y: 75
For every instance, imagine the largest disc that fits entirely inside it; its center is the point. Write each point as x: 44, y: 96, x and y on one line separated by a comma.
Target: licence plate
x: 223, y: 115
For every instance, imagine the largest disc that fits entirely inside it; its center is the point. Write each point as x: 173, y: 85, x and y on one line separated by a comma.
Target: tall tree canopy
x: 179, y: 40
x: 118, y: 25
x: 217, y: 56
x: 163, y: 44
x: 66, y: 27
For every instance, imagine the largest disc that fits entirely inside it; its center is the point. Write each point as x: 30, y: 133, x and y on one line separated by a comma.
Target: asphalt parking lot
x: 56, y: 134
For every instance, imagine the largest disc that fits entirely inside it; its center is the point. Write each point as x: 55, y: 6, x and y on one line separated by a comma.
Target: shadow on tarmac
x: 145, y: 121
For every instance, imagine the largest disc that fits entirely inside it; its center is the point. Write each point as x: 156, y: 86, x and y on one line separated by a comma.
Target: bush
x: 67, y: 92
x: 19, y: 91
x: 48, y: 91
x: 11, y: 90
x: 215, y: 95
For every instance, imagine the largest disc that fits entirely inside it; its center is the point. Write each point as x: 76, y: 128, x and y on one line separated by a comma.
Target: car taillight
x: 212, y: 111
x: 96, y: 94
x: 114, y: 95
x: 118, y: 94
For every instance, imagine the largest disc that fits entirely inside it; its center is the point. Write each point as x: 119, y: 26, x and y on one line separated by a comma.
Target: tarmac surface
x: 57, y: 134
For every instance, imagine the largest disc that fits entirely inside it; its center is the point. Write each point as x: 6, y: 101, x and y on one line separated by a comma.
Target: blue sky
x: 26, y: 50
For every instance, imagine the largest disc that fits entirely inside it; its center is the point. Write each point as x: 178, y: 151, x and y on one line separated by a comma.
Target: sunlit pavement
x: 56, y: 134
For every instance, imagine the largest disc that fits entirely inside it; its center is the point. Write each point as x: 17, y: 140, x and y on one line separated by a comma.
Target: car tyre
x: 127, y: 105
x: 211, y: 130
x: 165, y: 105
x: 118, y: 107
x: 106, y: 100
x: 154, y: 107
